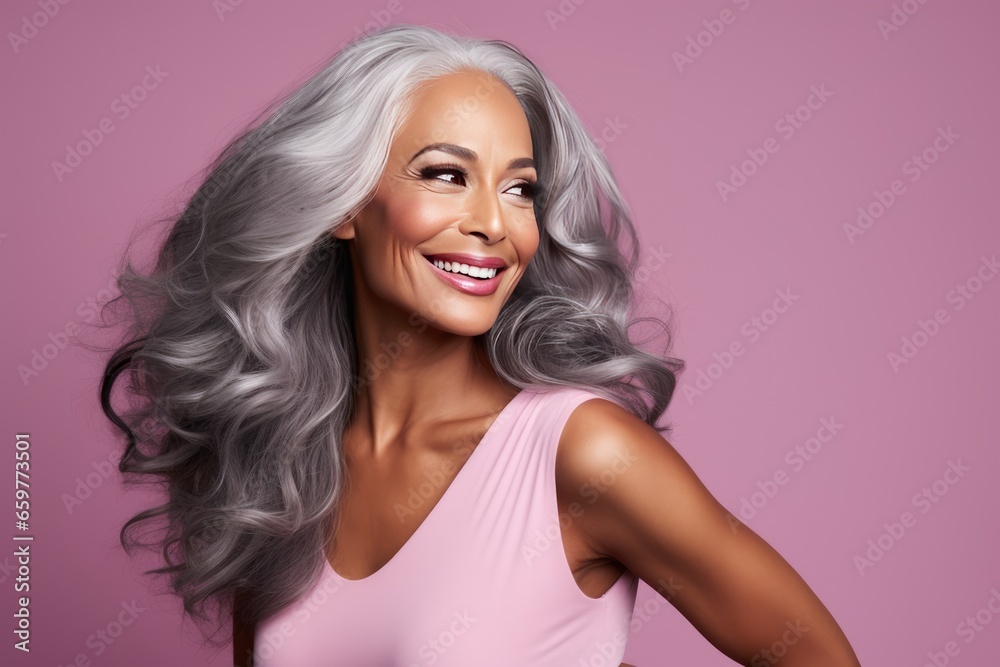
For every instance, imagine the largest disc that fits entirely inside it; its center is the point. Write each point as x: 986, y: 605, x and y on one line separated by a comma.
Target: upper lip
x: 472, y: 260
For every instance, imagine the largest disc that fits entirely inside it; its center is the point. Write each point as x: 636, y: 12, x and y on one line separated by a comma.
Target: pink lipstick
x: 479, y: 286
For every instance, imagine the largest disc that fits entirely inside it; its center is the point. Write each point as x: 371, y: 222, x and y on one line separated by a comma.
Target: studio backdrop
x: 815, y: 188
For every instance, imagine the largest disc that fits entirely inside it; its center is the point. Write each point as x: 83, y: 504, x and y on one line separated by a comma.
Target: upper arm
x: 644, y: 506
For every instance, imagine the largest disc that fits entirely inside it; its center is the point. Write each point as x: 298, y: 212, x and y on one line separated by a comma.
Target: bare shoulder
x: 623, y: 474
x: 593, y: 428
x: 601, y: 438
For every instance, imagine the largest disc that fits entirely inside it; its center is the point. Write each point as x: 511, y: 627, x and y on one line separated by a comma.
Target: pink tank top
x: 483, y: 581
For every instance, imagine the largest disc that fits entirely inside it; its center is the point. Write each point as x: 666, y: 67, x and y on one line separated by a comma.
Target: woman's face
x: 457, y: 191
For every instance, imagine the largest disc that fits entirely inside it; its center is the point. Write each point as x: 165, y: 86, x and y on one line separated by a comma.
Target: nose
x: 485, y: 216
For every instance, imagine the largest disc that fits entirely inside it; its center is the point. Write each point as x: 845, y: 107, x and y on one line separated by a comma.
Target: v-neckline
x: 501, y: 416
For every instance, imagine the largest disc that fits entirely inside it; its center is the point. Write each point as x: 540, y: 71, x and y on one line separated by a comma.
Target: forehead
x: 467, y: 107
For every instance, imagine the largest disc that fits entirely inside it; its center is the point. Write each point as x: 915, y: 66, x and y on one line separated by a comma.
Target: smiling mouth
x: 470, y: 270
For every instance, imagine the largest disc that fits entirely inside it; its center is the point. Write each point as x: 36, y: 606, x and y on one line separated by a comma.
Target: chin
x: 463, y: 327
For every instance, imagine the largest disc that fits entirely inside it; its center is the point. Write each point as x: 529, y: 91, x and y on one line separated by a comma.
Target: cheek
x: 528, y: 242
x: 415, y: 219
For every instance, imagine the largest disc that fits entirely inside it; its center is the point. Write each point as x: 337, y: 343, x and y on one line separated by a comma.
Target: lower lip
x: 468, y: 284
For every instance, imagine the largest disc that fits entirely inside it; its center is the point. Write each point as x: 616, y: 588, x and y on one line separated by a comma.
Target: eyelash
x: 530, y: 187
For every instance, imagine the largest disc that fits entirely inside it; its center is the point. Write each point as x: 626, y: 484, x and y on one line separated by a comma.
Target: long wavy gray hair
x: 238, y: 344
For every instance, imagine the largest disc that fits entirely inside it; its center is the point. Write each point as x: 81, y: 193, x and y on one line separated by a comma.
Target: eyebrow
x: 470, y: 155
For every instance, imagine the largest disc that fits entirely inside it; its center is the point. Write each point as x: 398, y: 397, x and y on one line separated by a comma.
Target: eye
x: 444, y: 170
x: 529, y: 189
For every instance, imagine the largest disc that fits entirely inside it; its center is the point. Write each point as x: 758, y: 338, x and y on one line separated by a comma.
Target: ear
x: 345, y: 230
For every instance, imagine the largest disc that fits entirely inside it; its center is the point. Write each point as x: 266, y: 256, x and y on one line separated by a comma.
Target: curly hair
x: 237, y: 344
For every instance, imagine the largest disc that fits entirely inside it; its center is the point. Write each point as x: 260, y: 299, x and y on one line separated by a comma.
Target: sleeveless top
x: 483, y: 581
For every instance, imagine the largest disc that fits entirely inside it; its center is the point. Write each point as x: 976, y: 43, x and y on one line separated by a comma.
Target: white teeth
x: 474, y: 271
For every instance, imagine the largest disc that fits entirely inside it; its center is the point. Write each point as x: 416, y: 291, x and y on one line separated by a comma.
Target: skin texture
x: 430, y: 407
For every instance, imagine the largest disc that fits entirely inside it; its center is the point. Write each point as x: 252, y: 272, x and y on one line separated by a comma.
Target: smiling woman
x: 385, y: 372
x: 453, y: 223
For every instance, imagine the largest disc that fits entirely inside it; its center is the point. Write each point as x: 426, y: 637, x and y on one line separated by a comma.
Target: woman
x: 375, y: 324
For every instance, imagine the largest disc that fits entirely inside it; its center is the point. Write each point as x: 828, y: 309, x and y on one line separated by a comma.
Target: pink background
x: 679, y: 132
